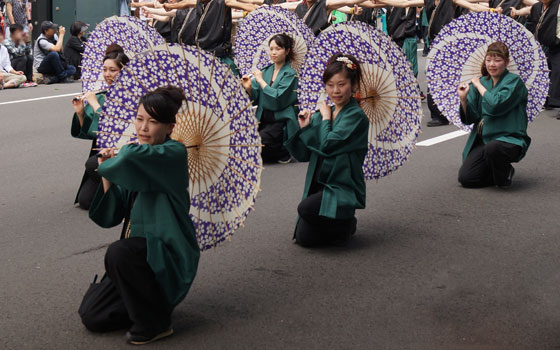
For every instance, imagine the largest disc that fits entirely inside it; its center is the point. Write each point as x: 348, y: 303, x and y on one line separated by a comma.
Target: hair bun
x: 114, y: 48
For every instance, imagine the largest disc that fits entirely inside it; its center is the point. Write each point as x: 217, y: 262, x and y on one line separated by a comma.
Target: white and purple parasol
x: 457, y: 54
x: 217, y: 124
x: 256, y: 30
x: 389, y: 94
x: 131, y: 33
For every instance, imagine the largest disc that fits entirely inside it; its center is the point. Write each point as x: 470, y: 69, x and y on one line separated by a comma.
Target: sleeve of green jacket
x: 255, y: 92
x: 91, y: 120
x: 298, y: 142
x: 282, y: 96
x: 108, y: 208
x: 499, y: 102
x: 145, y: 168
x: 472, y: 116
x: 335, y: 141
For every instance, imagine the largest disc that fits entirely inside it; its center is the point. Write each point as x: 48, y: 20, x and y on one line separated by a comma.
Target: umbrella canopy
x: 389, y: 93
x: 217, y: 124
x: 457, y: 54
x: 131, y: 33
x: 255, y: 31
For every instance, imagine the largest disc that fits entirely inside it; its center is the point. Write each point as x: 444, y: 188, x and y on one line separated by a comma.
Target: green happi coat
x: 91, y: 119
x: 280, y: 97
x: 160, y: 212
x: 343, y: 144
x: 503, y: 110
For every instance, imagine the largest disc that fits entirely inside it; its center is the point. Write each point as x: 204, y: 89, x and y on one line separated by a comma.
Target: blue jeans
x: 52, y: 66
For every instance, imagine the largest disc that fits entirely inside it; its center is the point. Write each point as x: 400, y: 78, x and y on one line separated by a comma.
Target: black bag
x: 102, y: 309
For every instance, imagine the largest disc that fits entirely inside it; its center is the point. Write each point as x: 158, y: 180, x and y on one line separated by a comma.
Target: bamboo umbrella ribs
x: 458, y: 52
x: 216, y: 124
x: 389, y: 92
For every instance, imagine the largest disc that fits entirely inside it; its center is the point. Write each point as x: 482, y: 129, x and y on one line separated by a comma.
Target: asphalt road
x: 432, y: 266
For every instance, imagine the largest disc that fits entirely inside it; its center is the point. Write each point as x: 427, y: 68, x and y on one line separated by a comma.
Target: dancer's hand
x: 463, y: 91
x: 325, y: 110
x: 304, y: 117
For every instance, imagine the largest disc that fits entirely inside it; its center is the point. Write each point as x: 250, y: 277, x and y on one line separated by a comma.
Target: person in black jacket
x: 74, y: 48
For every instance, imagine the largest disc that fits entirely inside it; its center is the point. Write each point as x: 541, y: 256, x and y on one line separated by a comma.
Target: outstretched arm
x: 238, y: 5
x: 290, y: 5
x: 336, y: 4
x: 181, y: 5
x: 469, y: 6
x: 396, y: 3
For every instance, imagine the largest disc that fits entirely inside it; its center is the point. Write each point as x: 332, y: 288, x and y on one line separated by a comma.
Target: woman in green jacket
x: 335, y: 142
x: 274, y: 92
x: 496, y: 105
x: 146, y: 185
x: 86, y: 118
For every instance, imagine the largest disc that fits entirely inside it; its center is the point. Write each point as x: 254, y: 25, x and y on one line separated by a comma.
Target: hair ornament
x: 347, y: 62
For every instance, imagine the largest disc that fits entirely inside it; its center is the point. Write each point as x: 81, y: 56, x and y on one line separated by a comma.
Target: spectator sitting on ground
x: 19, y: 48
x: 9, y: 77
x: 48, y: 57
x: 74, y: 48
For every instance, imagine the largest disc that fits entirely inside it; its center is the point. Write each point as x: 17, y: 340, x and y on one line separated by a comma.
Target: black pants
x: 313, y: 229
x: 90, y: 183
x: 136, y: 292
x: 24, y: 64
x: 434, y: 111
x: 488, y: 165
x: 272, y: 136
x: 553, y: 60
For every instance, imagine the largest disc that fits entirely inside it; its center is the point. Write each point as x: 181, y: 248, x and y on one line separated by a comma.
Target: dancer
x: 335, y: 142
x: 495, y: 104
x: 86, y: 118
x: 274, y: 92
x: 544, y: 18
x: 209, y: 25
x: 151, y: 270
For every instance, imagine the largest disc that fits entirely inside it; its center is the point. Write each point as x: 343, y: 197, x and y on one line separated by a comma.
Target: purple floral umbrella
x: 131, y: 33
x: 389, y: 94
x: 255, y: 31
x: 217, y: 124
x: 457, y: 54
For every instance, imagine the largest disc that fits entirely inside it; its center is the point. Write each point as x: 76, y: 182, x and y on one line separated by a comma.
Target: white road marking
x: 442, y: 138
x: 428, y: 142
x: 39, y: 98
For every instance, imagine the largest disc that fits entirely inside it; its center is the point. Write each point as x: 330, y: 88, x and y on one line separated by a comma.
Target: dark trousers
x: 53, y: 67
x: 136, y: 292
x: 553, y: 60
x: 272, y: 136
x: 488, y: 165
x: 434, y: 111
x: 24, y: 64
x: 314, y: 230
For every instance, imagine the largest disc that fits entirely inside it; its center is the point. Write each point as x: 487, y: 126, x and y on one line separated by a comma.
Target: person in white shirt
x: 9, y: 77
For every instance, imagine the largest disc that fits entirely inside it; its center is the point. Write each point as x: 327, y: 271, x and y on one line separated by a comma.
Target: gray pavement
x: 432, y: 266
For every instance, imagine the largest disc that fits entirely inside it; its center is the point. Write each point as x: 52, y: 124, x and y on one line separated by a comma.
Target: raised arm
x: 397, y: 3
x: 159, y: 12
x: 336, y: 4
x: 238, y: 5
x: 181, y: 5
x: 254, y: 2
x: 525, y: 11
x: 469, y: 6
x: 290, y: 5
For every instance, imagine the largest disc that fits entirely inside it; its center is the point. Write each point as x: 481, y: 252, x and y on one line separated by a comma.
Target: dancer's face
x: 495, y: 65
x: 110, y: 71
x: 339, y: 89
x: 149, y: 130
x: 277, y: 53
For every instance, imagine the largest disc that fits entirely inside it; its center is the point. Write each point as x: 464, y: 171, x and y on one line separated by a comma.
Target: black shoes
x: 438, y: 122
x: 140, y: 339
x: 507, y: 183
